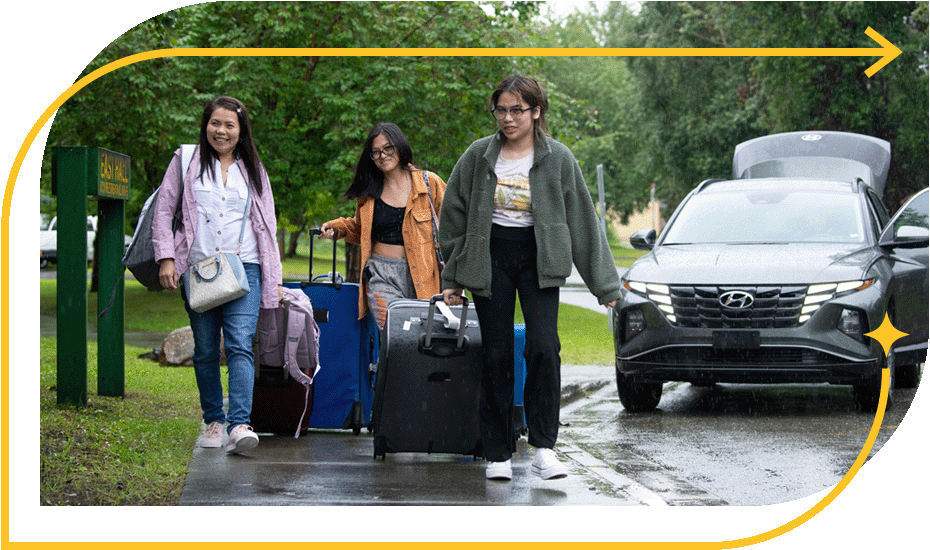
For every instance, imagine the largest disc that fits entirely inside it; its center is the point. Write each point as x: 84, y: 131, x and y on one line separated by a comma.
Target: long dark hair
x: 369, y: 180
x: 245, y: 148
x: 531, y: 92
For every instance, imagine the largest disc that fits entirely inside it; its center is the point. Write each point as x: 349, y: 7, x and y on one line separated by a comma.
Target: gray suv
x: 777, y: 275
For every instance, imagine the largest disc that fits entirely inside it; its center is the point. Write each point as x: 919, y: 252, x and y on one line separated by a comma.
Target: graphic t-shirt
x: 512, y: 204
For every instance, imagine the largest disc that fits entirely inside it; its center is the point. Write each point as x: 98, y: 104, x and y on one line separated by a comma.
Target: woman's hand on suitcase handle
x: 452, y: 296
x: 168, y: 274
x: 326, y: 232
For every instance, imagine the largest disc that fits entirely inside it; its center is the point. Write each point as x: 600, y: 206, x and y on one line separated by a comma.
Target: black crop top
x: 387, y: 223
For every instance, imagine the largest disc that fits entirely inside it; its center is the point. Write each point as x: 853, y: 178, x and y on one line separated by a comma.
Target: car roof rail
x: 707, y: 182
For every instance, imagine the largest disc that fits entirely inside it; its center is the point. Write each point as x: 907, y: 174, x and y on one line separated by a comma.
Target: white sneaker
x: 547, y: 466
x: 212, y: 436
x: 241, y: 438
x: 499, y: 470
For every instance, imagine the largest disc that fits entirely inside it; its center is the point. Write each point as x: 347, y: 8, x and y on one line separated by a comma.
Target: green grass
x: 144, y: 310
x: 584, y: 335
x: 624, y: 257
x: 117, y: 451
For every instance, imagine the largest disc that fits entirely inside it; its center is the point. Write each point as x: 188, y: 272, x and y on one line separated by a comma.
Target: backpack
x: 140, y: 254
x: 288, y: 337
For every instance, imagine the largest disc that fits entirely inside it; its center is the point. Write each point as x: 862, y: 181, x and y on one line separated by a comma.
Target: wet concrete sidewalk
x: 335, y: 467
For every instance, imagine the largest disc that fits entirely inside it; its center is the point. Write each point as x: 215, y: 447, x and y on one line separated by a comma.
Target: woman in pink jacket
x: 213, y: 190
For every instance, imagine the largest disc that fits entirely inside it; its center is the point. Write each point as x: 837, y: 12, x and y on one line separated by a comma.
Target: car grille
x: 703, y: 356
x: 772, y: 307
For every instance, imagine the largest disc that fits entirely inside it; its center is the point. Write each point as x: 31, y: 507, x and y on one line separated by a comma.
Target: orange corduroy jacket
x: 418, y: 235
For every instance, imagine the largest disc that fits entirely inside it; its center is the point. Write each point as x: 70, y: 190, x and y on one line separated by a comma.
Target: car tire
x: 43, y: 263
x: 907, y: 376
x: 867, y: 394
x: 638, y: 395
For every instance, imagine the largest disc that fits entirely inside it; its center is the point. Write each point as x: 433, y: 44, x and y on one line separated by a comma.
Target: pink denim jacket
x: 178, y: 246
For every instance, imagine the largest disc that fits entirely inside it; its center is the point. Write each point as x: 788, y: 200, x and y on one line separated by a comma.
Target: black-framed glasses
x: 515, y: 112
x: 387, y: 151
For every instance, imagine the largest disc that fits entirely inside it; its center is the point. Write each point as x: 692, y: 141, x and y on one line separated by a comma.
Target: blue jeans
x: 238, y: 320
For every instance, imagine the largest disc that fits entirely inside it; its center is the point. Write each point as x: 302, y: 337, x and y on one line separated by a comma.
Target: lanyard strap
x: 432, y: 208
x: 245, y: 214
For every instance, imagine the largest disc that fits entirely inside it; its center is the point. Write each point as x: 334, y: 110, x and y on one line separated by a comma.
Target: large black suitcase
x: 428, y: 380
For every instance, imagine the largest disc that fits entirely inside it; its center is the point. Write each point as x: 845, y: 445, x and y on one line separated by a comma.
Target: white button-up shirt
x: 220, y: 212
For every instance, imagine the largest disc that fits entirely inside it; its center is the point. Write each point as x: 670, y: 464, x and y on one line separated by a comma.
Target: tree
x: 310, y: 114
x: 689, y: 111
x: 833, y: 93
x: 692, y: 111
x: 591, y: 101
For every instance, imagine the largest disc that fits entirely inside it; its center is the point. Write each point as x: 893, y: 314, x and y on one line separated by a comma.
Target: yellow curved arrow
x: 888, y: 52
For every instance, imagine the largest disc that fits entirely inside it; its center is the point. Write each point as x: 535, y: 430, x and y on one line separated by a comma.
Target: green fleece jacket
x: 558, y: 194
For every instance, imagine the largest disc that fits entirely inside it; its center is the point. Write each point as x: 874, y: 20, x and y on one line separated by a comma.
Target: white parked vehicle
x: 48, y: 240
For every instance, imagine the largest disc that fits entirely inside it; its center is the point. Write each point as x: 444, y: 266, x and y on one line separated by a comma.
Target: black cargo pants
x: 513, y: 261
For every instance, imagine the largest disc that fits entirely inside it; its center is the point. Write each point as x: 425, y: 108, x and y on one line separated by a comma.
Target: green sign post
x: 79, y: 172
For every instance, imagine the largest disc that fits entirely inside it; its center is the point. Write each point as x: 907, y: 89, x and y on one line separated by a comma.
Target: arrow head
x: 889, y: 50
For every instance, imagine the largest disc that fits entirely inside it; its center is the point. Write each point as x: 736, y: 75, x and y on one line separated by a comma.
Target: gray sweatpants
x: 387, y: 279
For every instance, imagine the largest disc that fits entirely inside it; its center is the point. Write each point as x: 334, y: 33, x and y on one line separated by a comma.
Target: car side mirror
x: 644, y: 239
x: 906, y: 236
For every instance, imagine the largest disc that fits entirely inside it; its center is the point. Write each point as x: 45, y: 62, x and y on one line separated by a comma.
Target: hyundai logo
x: 736, y: 299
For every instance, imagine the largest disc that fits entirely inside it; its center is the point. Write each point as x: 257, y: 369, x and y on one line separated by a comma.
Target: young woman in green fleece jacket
x: 504, y: 230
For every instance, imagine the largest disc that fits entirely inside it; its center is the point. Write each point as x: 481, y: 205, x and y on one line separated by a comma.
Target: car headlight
x: 817, y: 295
x: 659, y: 294
x: 852, y: 324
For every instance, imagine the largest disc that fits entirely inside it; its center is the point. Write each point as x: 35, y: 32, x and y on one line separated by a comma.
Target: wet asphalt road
x: 730, y: 444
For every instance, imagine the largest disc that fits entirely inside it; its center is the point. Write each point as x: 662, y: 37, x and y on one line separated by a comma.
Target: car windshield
x: 768, y: 216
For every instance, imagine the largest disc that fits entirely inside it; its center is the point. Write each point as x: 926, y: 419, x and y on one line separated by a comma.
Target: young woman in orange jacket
x: 393, y: 223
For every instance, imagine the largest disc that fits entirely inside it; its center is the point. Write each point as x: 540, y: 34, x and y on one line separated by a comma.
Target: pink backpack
x: 288, y: 336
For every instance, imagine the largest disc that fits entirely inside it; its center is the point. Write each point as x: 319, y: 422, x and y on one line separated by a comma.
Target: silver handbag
x: 218, y: 279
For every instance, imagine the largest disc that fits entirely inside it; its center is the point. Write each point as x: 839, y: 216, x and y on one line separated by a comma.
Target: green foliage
x: 310, y: 115
x: 689, y: 111
x: 693, y: 111
x: 671, y: 121
x: 591, y: 100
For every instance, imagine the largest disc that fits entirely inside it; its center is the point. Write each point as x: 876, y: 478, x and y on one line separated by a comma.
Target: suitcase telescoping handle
x: 461, y: 322
x: 335, y: 279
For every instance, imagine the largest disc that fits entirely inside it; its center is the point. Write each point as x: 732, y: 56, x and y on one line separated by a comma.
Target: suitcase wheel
x: 380, y: 447
x: 357, y: 416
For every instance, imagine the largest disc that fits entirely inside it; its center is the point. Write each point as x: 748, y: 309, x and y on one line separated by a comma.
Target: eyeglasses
x: 387, y: 151
x: 515, y: 112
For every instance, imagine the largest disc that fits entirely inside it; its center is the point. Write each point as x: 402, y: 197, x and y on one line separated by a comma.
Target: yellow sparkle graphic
x: 886, y: 334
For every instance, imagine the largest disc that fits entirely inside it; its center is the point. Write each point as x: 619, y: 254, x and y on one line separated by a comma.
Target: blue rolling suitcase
x: 348, y: 347
x: 519, y: 379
